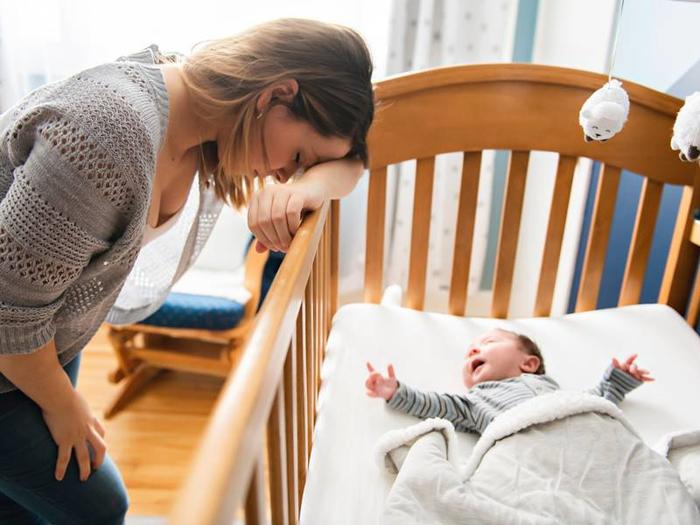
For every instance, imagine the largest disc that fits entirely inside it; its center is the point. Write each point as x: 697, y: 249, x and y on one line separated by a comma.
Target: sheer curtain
x: 431, y: 33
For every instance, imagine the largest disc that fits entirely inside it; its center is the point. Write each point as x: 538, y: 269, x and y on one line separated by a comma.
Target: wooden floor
x: 153, y: 440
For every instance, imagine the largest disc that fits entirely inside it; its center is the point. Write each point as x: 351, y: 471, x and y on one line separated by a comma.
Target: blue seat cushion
x: 204, y: 312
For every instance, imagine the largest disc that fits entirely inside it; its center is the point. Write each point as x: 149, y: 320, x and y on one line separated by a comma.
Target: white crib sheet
x: 345, y: 487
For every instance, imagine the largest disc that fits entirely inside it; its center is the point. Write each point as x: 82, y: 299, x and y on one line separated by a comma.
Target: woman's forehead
x: 321, y: 148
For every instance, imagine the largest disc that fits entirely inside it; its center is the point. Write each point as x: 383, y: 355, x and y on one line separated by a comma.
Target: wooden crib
x: 266, y: 412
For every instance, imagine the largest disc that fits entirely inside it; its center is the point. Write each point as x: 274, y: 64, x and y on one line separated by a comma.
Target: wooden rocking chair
x: 144, y: 350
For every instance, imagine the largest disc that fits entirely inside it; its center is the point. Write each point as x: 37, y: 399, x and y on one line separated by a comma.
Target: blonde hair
x: 331, y: 65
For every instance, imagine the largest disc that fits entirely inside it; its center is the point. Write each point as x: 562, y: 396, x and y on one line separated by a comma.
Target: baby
x: 502, y: 369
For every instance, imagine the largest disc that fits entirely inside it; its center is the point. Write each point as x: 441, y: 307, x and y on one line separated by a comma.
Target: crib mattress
x: 343, y: 484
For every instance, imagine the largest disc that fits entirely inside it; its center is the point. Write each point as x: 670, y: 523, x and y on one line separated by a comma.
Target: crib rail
x: 255, y: 452
x: 266, y: 411
x: 524, y: 108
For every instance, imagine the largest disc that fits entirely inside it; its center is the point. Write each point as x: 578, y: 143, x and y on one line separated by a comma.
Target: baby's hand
x: 380, y: 386
x: 631, y: 368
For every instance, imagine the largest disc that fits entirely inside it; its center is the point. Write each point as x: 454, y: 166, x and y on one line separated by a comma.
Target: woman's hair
x: 528, y: 346
x: 331, y: 65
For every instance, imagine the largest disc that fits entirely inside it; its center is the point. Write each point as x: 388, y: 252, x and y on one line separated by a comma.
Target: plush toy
x: 604, y: 112
x: 686, y: 129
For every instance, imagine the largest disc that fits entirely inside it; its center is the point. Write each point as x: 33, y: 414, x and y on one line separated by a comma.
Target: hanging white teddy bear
x: 686, y: 129
x: 605, y: 112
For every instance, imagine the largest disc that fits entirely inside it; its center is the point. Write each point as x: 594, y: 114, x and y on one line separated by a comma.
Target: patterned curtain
x: 432, y: 33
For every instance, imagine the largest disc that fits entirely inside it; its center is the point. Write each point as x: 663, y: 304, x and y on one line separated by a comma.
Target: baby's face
x: 493, y: 356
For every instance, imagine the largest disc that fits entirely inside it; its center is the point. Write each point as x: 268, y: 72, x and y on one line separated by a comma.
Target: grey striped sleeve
x: 424, y: 405
x: 615, y: 385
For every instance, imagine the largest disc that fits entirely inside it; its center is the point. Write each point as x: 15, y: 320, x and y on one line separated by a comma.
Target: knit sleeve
x: 431, y: 404
x: 55, y: 216
x: 615, y: 385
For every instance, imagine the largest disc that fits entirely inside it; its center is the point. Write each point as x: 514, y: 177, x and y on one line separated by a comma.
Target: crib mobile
x: 605, y: 112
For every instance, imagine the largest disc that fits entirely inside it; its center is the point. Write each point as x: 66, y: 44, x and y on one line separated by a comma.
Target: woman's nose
x: 472, y: 351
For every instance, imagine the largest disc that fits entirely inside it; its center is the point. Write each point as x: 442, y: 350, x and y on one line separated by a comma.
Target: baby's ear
x: 530, y: 364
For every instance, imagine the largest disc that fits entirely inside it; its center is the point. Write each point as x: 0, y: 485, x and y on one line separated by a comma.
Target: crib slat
x: 335, y: 254
x: 464, y: 232
x: 278, y: 460
x: 682, y: 260
x: 374, y: 246
x: 302, y: 406
x: 420, y: 232
x: 694, y: 306
x: 290, y: 418
x: 508, y: 235
x: 319, y: 323
x: 596, y: 248
x: 638, y: 254
x: 555, y: 234
x: 308, y: 351
x: 255, y: 503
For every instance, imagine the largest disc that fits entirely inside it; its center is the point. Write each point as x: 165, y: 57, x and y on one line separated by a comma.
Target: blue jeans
x: 29, y: 492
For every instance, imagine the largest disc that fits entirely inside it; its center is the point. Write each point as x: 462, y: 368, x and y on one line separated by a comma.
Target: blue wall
x: 657, y: 63
x: 523, y: 43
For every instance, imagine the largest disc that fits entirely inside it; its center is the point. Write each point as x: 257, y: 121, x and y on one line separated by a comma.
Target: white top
x: 150, y: 233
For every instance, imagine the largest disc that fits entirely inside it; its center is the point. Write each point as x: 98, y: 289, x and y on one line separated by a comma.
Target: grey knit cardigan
x: 77, y: 158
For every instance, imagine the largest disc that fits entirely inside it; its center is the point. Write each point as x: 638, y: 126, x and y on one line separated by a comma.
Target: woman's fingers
x: 295, y: 206
x: 62, y: 461
x: 253, y: 218
x: 390, y: 369
x: 256, y: 217
x: 264, y: 220
x: 370, y: 367
x: 98, y: 447
x: 100, y: 429
x: 82, y: 455
x: 278, y: 214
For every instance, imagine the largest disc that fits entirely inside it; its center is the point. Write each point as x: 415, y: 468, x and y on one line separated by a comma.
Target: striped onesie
x: 473, y: 411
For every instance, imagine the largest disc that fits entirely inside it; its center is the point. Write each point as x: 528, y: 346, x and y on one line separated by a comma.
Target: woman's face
x: 291, y: 144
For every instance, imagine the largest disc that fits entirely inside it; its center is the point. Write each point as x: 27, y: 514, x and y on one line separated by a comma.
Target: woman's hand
x: 72, y: 427
x: 274, y: 213
x: 629, y: 366
x: 379, y: 386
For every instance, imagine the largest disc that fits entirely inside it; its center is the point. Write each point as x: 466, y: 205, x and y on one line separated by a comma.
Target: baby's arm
x: 620, y: 379
x: 402, y: 397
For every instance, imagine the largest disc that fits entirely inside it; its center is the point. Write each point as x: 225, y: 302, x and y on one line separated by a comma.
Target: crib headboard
x: 521, y: 108
x: 524, y: 108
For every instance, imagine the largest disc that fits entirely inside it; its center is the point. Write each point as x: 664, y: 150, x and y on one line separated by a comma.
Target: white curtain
x: 431, y: 33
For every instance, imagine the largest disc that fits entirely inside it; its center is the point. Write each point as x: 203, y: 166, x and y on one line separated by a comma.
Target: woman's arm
x: 71, y: 424
x: 274, y: 213
x: 330, y: 180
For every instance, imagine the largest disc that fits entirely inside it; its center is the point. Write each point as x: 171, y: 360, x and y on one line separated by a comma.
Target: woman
x: 101, y: 212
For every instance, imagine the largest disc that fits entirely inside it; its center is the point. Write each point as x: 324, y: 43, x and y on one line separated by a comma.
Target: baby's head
x: 500, y: 354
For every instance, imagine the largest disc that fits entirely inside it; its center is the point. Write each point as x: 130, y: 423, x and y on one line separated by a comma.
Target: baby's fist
x: 380, y: 386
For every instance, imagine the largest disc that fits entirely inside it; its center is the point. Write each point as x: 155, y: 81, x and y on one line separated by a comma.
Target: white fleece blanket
x: 565, y: 457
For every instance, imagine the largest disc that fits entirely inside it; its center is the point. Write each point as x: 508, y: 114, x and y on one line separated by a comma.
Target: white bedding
x: 344, y: 486
x: 563, y: 457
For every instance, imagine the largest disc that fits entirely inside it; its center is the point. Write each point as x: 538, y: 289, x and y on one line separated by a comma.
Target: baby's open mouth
x: 476, y: 364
